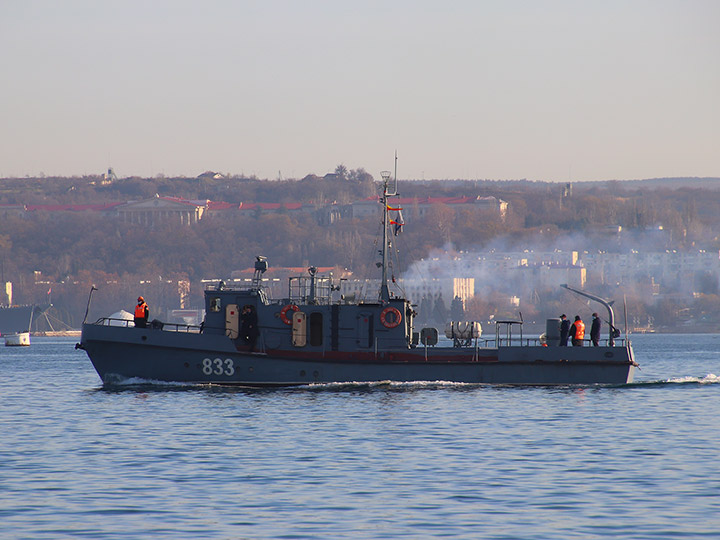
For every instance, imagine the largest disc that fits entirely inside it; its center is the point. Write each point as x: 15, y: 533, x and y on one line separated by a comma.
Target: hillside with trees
x: 66, y: 252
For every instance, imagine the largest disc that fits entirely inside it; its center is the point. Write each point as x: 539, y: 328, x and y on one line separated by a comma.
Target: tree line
x: 79, y: 249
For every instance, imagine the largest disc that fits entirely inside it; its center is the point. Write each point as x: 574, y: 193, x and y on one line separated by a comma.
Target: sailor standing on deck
x: 564, y: 330
x: 142, y: 312
x: 595, y: 330
x: 248, y: 326
x: 577, y: 332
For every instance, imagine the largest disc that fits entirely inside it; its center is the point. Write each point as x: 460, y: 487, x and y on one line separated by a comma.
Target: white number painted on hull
x: 218, y: 367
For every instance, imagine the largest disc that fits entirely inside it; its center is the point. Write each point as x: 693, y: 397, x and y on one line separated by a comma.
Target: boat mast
x: 386, y: 175
x: 384, y: 291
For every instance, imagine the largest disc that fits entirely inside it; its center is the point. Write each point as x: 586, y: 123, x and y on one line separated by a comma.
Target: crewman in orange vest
x: 142, y: 312
x: 577, y: 332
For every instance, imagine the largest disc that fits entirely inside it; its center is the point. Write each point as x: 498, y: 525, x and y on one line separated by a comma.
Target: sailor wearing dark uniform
x: 248, y: 326
x: 564, y: 330
x: 595, y: 330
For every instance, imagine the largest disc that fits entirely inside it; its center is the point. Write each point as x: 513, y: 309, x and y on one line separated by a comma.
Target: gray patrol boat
x: 315, y: 336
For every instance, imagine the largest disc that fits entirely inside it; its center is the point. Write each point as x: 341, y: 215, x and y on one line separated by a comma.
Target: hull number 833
x: 218, y: 366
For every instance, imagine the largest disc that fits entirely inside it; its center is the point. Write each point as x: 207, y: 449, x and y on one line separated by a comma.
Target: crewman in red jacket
x: 142, y: 312
x: 577, y: 332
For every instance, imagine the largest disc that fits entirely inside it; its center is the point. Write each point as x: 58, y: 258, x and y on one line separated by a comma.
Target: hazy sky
x: 496, y: 89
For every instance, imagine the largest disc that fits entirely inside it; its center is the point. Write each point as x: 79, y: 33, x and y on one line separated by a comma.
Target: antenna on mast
x: 395, y: 172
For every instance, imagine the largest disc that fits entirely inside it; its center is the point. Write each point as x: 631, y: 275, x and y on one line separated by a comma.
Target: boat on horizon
x: 16, y: 322
x: 314, y: 335
x: 17, y: 339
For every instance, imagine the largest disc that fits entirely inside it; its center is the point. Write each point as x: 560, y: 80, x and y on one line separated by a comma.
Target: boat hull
x: 120, y: 353
x: 17, y: 339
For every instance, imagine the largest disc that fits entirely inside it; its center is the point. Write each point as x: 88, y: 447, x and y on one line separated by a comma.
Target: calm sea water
x: 386, y: 461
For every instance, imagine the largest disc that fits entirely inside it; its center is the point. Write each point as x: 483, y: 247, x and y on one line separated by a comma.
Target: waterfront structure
x: 158, y: 209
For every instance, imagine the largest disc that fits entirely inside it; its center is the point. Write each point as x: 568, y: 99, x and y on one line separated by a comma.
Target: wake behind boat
x: 314, y: 335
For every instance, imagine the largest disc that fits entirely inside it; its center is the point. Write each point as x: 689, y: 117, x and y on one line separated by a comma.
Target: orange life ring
x: 284, y: 312
x: 397, y: 319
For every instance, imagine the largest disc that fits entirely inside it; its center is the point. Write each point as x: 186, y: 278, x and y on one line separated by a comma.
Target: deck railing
x: 536, y: 342
x: 153, y: 325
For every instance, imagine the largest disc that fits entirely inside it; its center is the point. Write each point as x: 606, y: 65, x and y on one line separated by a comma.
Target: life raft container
x: 396, y: 319
x: 284, y: 313
x: 463, y: 330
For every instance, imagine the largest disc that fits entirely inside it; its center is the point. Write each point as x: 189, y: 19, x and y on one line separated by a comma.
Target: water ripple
x: 427, y: 460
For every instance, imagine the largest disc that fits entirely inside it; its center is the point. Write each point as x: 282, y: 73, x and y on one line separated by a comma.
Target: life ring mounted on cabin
x: 392, y: 322
x: 284, y: 313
